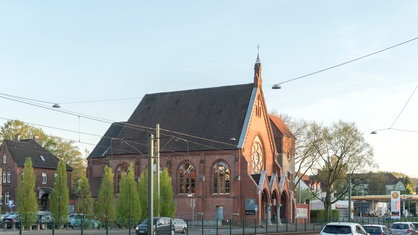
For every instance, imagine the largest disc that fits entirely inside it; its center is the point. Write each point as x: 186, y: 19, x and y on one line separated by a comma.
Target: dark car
x: 377, y: 229
x: 162, y: 225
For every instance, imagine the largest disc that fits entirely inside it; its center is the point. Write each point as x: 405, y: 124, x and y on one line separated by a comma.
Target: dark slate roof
x: 22, y: 149
x: 103, y: 147
x: 190, y: 120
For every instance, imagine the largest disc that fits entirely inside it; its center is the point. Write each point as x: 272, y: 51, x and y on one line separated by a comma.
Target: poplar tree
x: 143, y: 195
x: 167, y: 205
x: 129, y: 207
x: 105, y: 207
x: 26, y: 196
x: 84, y: 203
x: 60, y: 196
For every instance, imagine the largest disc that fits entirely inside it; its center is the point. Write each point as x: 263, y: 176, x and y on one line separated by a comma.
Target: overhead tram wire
x: 123, y: 124
x: 397, y: 117
x: 278, y: 85
x: 403, y: 108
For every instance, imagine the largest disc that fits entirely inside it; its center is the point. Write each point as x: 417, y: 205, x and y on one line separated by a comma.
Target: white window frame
x: 44, y: 178
x: 4, y: 177
x: 4, y: 159
x: 9, y: 176
x: 6, y: 198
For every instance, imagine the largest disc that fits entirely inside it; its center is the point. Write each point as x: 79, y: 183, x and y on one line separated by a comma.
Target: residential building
x: 228, y: 158
x: 14, y: 154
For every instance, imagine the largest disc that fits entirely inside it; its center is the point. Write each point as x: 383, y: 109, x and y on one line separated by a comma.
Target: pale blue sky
x: 76, y: 51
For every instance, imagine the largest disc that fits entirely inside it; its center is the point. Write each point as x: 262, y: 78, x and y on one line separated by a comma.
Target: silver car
x: 346, y: 228
x: 403, y: 228
x: 180, y: 226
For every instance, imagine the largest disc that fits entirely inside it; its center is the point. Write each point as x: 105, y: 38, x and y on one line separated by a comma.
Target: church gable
x: 258, y: 143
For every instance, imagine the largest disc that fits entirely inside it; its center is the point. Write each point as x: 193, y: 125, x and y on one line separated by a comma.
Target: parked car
x: 180, y: 226
x: 403, y: 228
x: 377, y: 229
x: 10, y: 220
x: 345, y: 228
x: 76, y: 220
x: 4, y: 216
x: 44, y: 220
x: 162, y: 225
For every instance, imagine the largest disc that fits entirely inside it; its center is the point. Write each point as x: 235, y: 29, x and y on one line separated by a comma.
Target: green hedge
x: 319, y: 215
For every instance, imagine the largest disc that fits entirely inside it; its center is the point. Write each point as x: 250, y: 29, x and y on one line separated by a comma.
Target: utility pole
x: 157, y: 163
x: 150, y: 184
x: 349, y: 198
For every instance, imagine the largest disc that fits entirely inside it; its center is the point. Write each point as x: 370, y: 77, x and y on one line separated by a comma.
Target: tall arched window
x: 221, y: 178
x: 187, y: 177
x: 257, y: 156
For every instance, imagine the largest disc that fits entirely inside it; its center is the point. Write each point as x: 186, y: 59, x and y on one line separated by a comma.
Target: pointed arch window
x: 221, y: 178
x: 257, y: 156
x: 187, y: 178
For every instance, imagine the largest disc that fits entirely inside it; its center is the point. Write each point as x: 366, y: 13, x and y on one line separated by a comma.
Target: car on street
x: 44, y: 220
x: 162, y: 225
x: 377, y: 229
x: 11, y: 220
x: 180, y: 226
x: 345, y: 228
x: 403, y: 228
x: 76, y: 220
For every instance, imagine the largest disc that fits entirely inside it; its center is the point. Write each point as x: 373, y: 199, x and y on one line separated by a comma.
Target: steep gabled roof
x: 281, y: 126
x: 22, y: 149
x: 198, y: 119
x: 103, y: 147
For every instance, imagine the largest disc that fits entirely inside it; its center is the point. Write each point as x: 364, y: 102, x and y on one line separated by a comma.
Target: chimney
x: 17, y: 137
x: 35, y: 138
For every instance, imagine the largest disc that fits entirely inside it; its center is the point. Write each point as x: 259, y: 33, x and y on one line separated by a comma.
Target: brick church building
x: 228, y: 158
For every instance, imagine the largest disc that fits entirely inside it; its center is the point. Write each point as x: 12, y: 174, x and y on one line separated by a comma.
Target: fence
x: 196, y: 227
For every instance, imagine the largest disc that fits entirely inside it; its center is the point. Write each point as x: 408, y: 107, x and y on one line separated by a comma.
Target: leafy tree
x: 26, y: 196
x: 84, y: 203
x: 143, y: 194
x: 60, y: 196
x: 105, y: 207
x: 342, y: 151
x: 168, y: 207
x: 129, y: 207
x: 307, y: 135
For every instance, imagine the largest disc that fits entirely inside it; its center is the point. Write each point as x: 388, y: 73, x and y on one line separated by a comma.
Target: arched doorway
x: 265, y: 206
x: 275, y: 207
x: 284, y: 207
x: 43, y: 202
